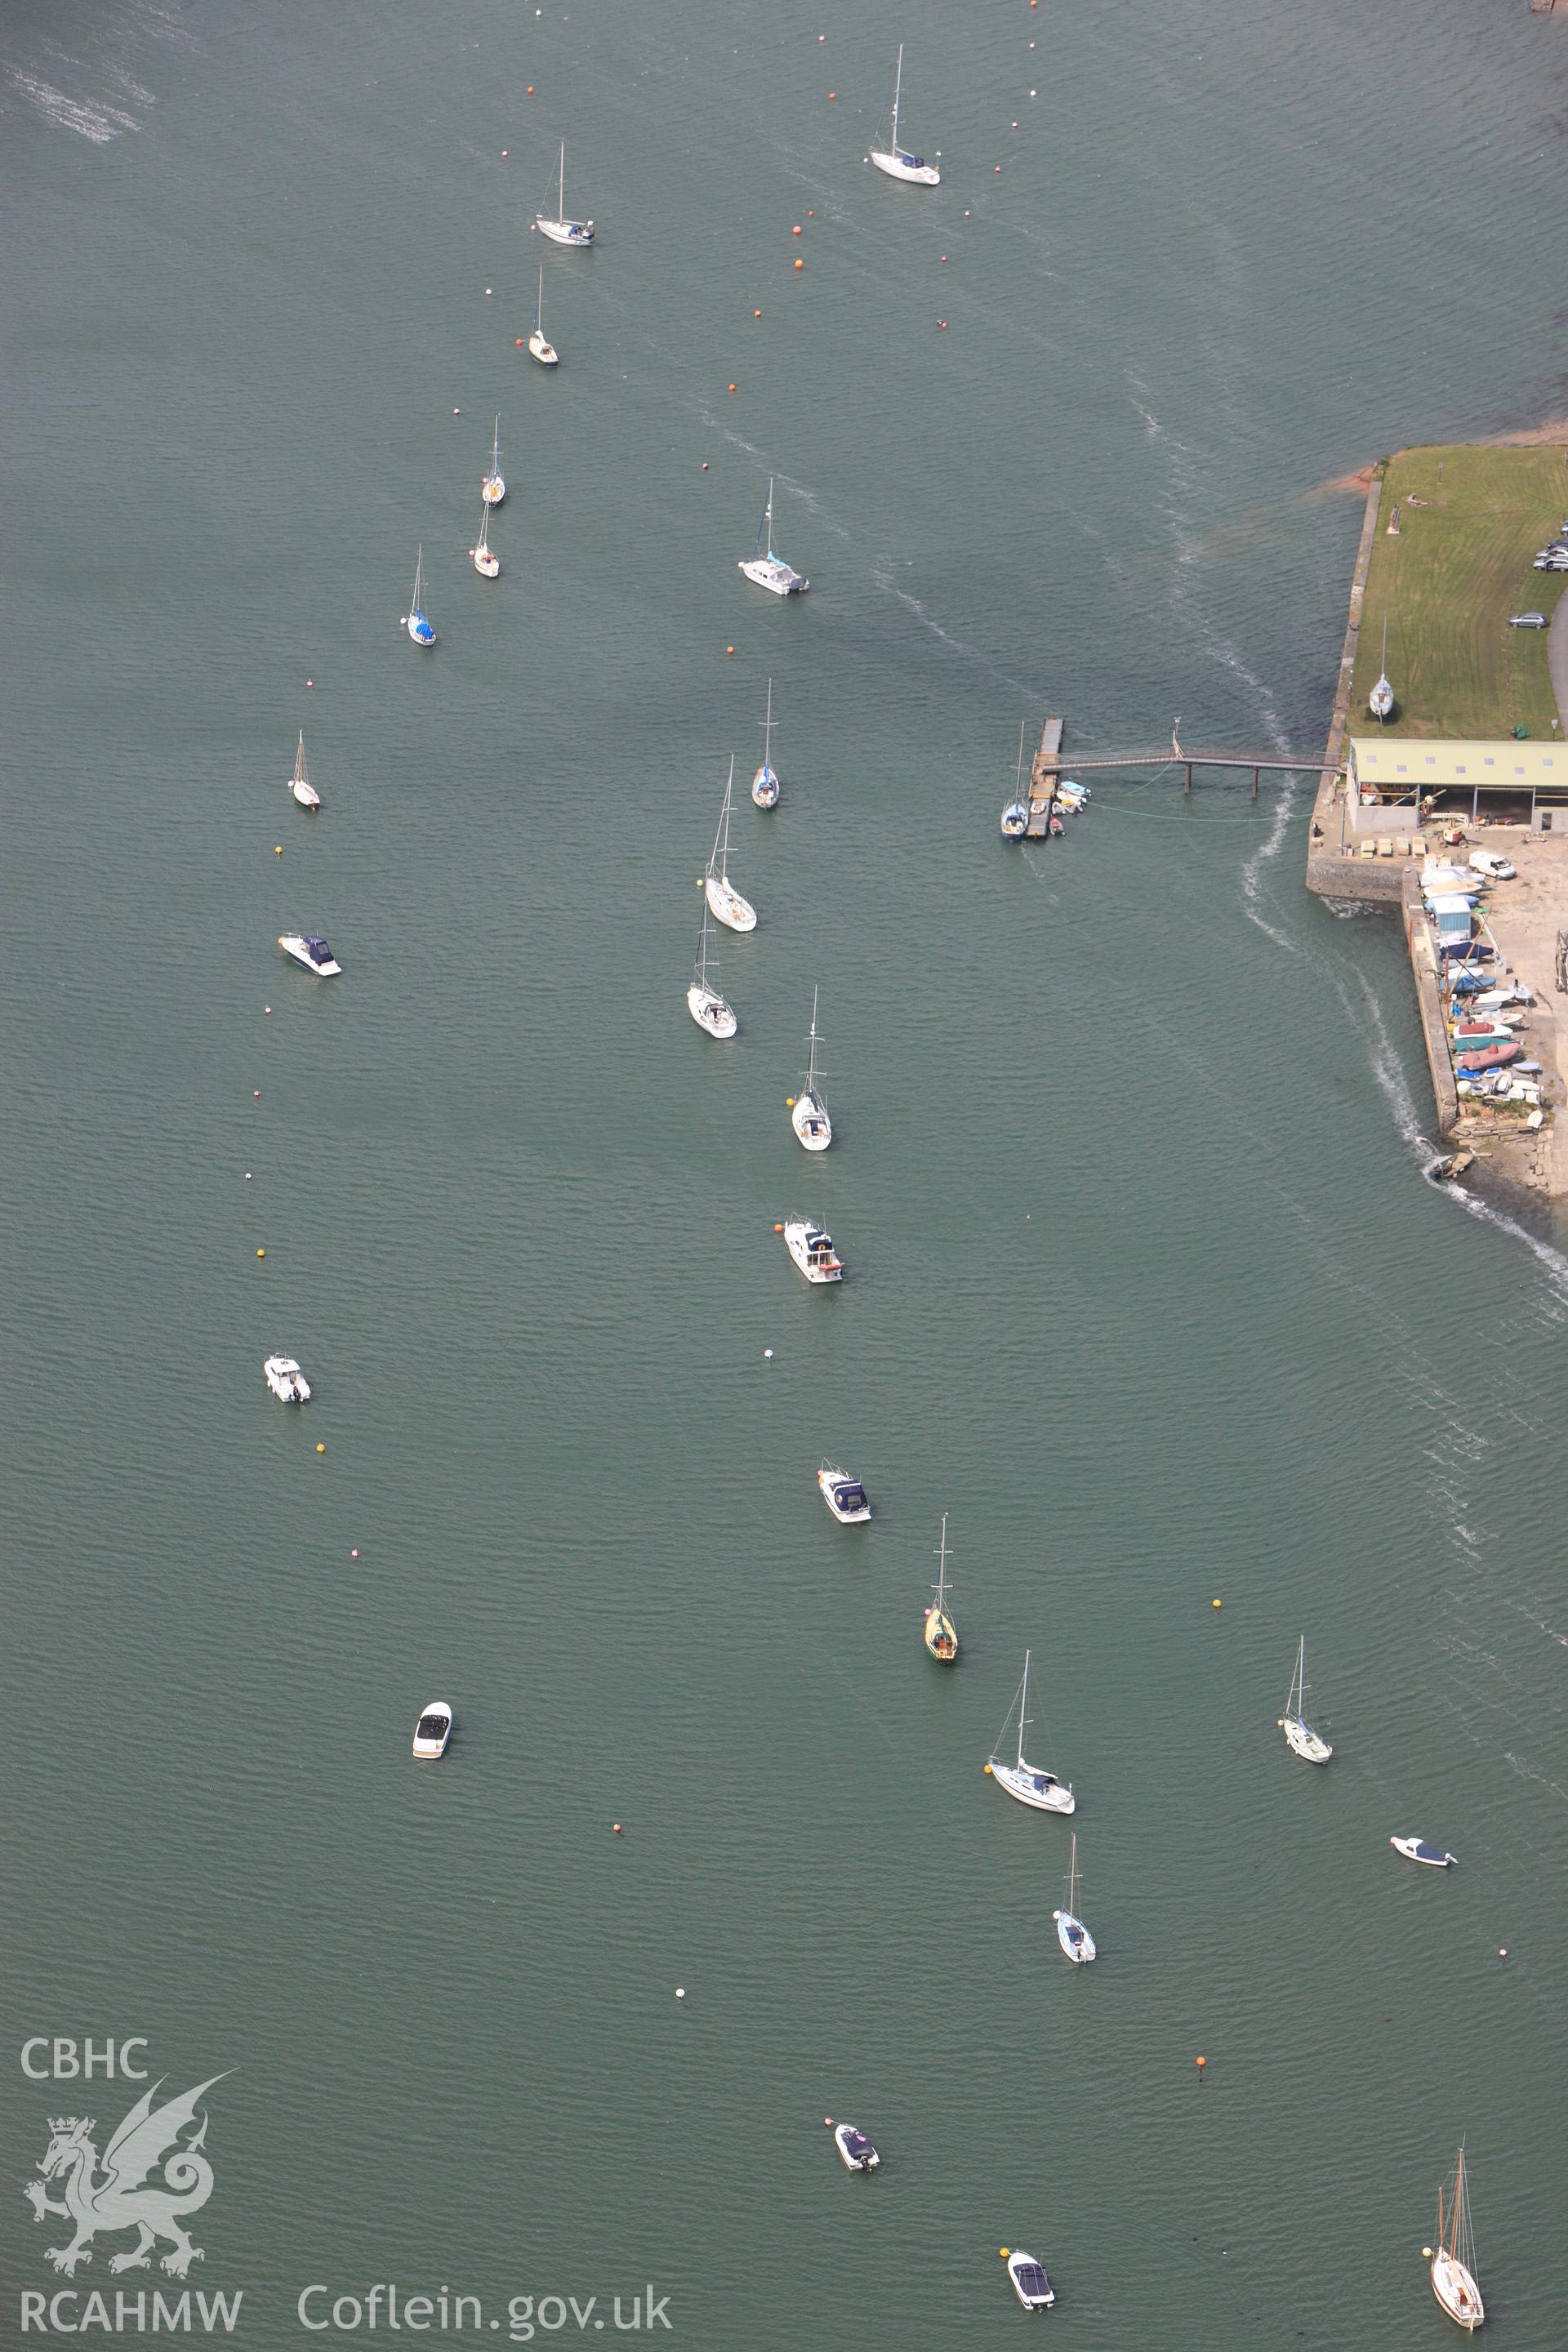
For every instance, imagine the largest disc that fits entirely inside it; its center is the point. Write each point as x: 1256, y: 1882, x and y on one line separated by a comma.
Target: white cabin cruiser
x: 300, y: 783
x: 540, y: 346
x: 724, y: 901
x: 492, y: 489
x: 1071, y: 1934
x: 766, y: 567
x: 312, y: 951
x: 1299, y: 1736
x: 855, y: 2148
x: 704, y: 1002
x: 1023, y: 1779
x: 896, y: 160
x: 766, y: 783
x: 844, y: 1495
x: 1030, y: 2285
x: 811, y: 1246
x: 1422, y: 1850
x: 433, y: 1730
x: 286, y: 1380
x: 416, y: 621
x: 486, y: 562
x: 807, y: 1111
x: 559, y: 229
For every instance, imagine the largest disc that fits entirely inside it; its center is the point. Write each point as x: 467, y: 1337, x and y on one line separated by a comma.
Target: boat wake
x: 99, y: 123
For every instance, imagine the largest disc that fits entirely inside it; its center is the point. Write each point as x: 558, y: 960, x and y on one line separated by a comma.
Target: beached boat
x: 724, y: 900
x: 486, y: 562
x: 556, y: 225
x: 765, y: 565
x: 433, y: 1730
x: 1015, y: 816
x: 492, y: 489
x: 1450, y: 1165
x: 855, y: 2148
x: 1436, y: 1857
x: 1021, y: 1779
x: 807, y: 1110
x: 1380, y: 702
x: 1490, y: 1057
x: 895, y: 159
x: 300, y: 783
x: 940, y: 1633
x: 416, y: 621
x: 1071, y: 1934
x: 286, y: 1380
x: 704, y: 1002
x: 766, y: 783
x: 1454, y: 2258
x: 1030, y: 2285
x: 540, y: 346
x: 811, y: 1246
x: 310, y: 949
x: 845, y: 1496
x: 1299, y: 1736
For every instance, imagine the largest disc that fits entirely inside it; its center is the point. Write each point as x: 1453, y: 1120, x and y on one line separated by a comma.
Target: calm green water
x: 1145, y: 1289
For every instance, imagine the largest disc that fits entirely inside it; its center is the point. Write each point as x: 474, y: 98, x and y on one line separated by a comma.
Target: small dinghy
x: 1030, y: 2285
x: 492, y: 488
x: 300, y: 783
x: 416, y: 620
x: 557, y: 227
x: 855, y: 2148
x: 312, y: 953
x: 940, y: 1633
x: 1454, y: 2263
x: 807, y: 1111
x: 1299, y: 1736
x: 1071, y: 1934
x: 1022, y: 1780
x: 704, y: 1002
x: 484, y: 561
x: 1015, y: 816
x: 844, y: 1495
x: 768, y: 568
x: 286, y: 1380
x: 811, y: 1246
x: 896, y: 160
x: 540, y: 346
x: 724, y: 900
x: 1423, y: 1850
x: 433, y: 1730
x: 766, y: 783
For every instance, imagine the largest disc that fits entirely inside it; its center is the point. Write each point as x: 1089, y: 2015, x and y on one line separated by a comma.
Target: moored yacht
x: 486, y: 562
x: 811, y: 1246
x: 540, y: 346
x: 807, y: 1111
x: 1023, y: 1779
x: 724, y: 900
x: 1436, y: 1857
x: 416, y: 621
x: 1071, y: 1934
x: 704, y: 1002
x: 1454, y: 2258
x: 844, y: 1495
x: 855, y: 2148
x: 940, y: 1633
x: 768, y: 568
x: 1015, y: 816
x: 309, y: 949
x: 300, y: 783
x: 1030, y: 2285
x: 492, y: 489
x: 1299, y: 1736
x: 895, y: 159
x: 766, y: 783
x: 433, y: 1730
x: 556, y: 226
x: 286, y: 1380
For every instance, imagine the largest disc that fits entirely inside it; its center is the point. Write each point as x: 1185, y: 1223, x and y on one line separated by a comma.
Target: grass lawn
x: 1469, y: 521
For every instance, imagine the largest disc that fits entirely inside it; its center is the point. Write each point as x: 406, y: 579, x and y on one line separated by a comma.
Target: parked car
x: 1490, y: 862
x: 1527, y: 620
x: 1553, y: 559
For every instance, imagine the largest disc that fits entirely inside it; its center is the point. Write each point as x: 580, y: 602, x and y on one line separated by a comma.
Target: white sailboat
x: 1380, y: 702
x: 1015, y: 816
x: 1454, y: 2261
x: 704, y: 1002
x: 1023, y: 1779
x: 540, y: 347
x: 765, y: 783
x: 1299, y: 1736
x: 725, y: 901
x: 896, y: 160
x: 1071, y: 1934
x: 300, y: 783
x: 492, y: 489
x: 940, y: 1633
x: 807, y: 1111
x: 559, y: 229
x: 416, y: 621
x: 765, y: 565
x: 484, y: 560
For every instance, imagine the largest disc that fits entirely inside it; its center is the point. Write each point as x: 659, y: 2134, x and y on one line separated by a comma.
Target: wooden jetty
x: 1043, y: 774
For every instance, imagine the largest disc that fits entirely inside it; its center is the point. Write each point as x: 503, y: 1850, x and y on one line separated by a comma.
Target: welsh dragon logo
x: 124, y: 2196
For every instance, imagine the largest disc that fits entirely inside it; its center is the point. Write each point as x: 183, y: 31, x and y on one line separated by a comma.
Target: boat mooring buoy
x: 321, y: 1449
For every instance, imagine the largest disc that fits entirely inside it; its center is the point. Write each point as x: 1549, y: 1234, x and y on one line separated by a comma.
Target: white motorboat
x: 300, y: 783
x: 1380, y: 702
x: 1071, y: 1934
x: 1015, y: 816
x: 540, y: 346
x: 483, y: 558
x: 1299, y: 1736
x: 895, y: 159
x: 765, y: 565
x: 1023, y: 1779
x: 807, y: 1111
x: 1422, y: 1850
x: 811, y: 1246
x: 1454, y: 2260
x: 433, y: 1730
x: 705, y: 1004
x: 844, y: 1495
x: 416, y: 621
x: 725, y: 902
x: 559, y: 229
x: 940, y: 1633
x: 766, y: 783
x: 492, y: 489
x: 309, y: 949
x: 855, y: 2148
x: 1030, y: 2285
x: 286, y: 1380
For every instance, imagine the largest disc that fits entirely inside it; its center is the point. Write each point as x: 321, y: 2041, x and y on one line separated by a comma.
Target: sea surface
x: 1145, y: 1289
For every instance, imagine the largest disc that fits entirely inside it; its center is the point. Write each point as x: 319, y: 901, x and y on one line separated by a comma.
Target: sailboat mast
x: 811, y: 1058
x: 768, y: 726
x: 560, y: 192
x: 1023, y: 1708
x: 941, y: 1567
x: 769, y: 519
x: 898, y: 89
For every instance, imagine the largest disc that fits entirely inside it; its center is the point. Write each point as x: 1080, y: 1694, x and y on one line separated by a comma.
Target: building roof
x: 1412, y: 764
